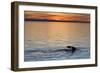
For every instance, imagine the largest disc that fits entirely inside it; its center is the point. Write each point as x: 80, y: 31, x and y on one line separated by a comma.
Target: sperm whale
x: 71, y: 49
x: 68, y: 48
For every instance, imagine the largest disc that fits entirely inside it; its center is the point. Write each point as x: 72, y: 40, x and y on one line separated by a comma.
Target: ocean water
x: 44, y: 40
x: 46, y: 55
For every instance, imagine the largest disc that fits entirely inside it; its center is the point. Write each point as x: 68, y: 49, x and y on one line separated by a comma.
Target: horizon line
x: 46, y: 20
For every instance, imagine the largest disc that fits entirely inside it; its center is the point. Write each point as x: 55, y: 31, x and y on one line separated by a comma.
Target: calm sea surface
x: 42, y: 38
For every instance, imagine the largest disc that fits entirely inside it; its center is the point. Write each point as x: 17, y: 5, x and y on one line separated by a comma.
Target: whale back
x: 72, y: 48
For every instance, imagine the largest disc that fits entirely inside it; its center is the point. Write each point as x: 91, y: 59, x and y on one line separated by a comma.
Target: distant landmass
x: 50, y: 20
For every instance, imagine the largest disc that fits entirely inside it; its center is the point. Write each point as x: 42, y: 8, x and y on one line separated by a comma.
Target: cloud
x: 56, y: 16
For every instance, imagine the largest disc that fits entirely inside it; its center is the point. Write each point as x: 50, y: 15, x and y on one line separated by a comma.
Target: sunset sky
x: 56, y: 16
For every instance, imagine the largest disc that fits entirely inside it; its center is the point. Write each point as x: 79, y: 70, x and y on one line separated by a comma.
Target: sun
x: 56, y: 18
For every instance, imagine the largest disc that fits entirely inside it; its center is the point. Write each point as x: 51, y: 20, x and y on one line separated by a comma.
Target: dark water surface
x: 40, y: 55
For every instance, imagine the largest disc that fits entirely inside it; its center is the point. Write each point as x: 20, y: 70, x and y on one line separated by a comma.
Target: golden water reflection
x: 52, y: 34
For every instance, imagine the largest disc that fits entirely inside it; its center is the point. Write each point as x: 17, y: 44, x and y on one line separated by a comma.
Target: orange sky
x: 58, y: 16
